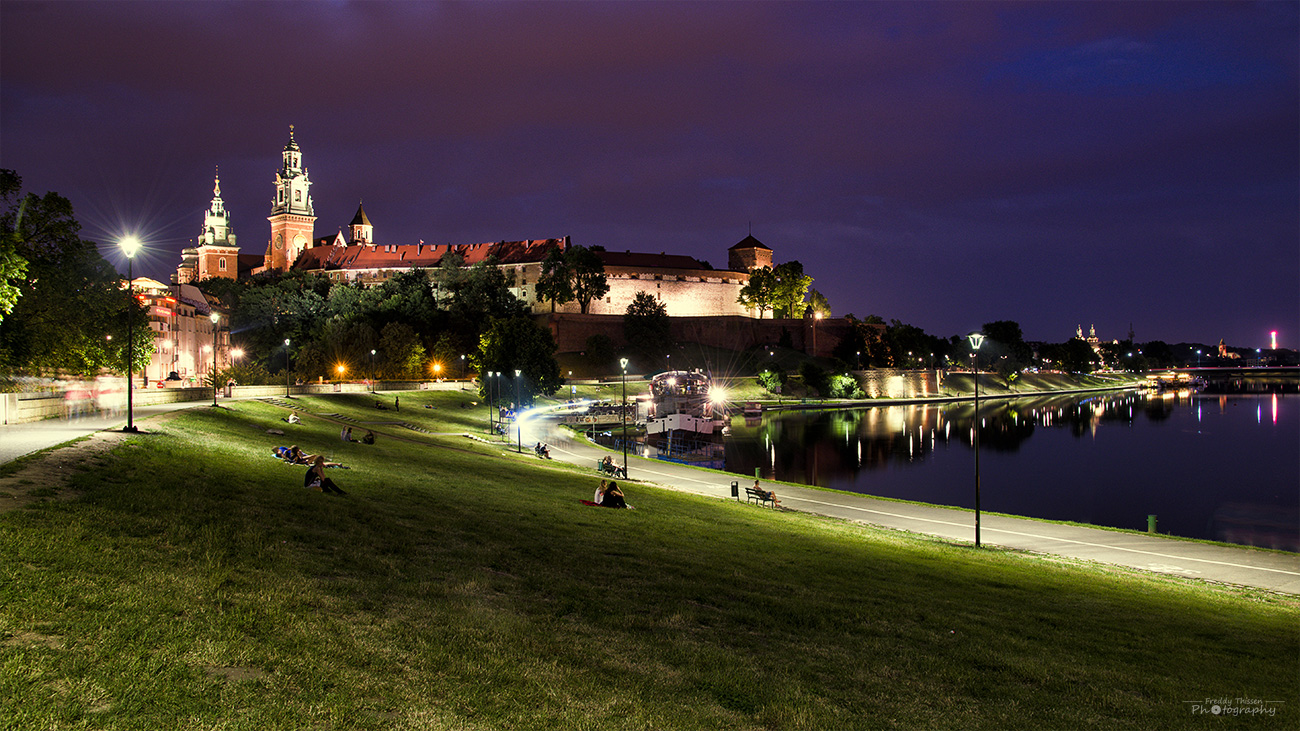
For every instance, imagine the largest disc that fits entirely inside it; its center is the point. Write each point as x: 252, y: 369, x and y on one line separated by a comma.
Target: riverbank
x: 458, y: 585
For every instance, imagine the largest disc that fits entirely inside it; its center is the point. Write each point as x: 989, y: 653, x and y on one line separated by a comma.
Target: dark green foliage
x: 760, y: 291
x: 814, y: 378
x: 790, y: 288
x: 588, y: 272
x: 772, y: 379
x: 518, y: 343
x: 70, y: 299
x: 600, y: 353
x: 556, y: 282
x: 646, y: 327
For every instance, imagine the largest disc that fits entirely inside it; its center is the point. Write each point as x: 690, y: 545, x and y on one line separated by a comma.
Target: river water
x: 1221, y: 465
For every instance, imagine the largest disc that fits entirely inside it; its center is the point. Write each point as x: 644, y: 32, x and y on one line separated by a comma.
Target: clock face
x: 279, y: 242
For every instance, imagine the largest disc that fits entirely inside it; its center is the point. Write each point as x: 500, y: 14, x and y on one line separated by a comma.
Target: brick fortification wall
x: 728, y: 331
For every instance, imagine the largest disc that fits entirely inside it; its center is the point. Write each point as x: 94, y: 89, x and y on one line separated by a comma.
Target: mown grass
x: 196, y: 584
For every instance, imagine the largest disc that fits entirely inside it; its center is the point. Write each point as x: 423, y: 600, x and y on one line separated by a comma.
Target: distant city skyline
x: 943, y: 164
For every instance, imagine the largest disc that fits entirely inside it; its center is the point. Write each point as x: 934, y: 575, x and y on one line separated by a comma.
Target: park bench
x: 760, y: 497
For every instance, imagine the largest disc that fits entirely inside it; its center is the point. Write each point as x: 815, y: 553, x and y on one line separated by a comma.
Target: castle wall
x: 735, y: 332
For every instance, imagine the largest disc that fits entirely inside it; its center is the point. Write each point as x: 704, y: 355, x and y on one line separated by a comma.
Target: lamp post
x: 492, y: 398
x: 623, y: 362
x: 286, y: 367
x: 816, y: 316
x: 215, y: 320
x: 437, y: 371
x: 976, y: 340
x: 519, y: 429
x: 462, y: 366
x: 859, y: 360
x: 667, y: 359
x: 372, y: 370
x: 130, y: 245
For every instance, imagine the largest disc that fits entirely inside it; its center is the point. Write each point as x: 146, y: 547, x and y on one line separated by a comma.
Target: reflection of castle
x: 687, y: 286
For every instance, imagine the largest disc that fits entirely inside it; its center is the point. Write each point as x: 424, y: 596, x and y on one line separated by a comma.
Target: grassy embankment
x: 197, y: 584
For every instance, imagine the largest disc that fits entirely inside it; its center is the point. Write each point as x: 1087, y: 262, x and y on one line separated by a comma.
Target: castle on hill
x: 687, y: 286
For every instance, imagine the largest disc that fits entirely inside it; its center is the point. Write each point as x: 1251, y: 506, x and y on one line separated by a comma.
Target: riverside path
x: 1271, y: 570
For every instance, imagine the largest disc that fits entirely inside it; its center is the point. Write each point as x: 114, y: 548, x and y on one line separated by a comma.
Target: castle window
x: 221, y: 263
x: 297, y: 195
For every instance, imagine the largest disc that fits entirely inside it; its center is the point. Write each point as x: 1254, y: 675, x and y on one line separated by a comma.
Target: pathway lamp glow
x: 286, y: 367
x: 519, y: 428
x: 130, y: 246
x: 437, y: 370
x: 623, y: 362
x: 372, y: 370
x: 976, y: 340
x: 462, y: 366
x: 340, y: 369
x: 216, y: 319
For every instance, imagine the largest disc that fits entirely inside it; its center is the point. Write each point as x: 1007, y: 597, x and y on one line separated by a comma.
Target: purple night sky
x: 945, y: 164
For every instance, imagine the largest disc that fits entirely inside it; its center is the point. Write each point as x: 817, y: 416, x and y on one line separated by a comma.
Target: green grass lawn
x: 196, y: 584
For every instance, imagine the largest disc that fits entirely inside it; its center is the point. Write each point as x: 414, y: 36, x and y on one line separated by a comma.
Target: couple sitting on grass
x: 609, y: 496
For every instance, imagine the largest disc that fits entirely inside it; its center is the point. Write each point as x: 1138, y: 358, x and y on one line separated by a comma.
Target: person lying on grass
x: 316, y: 479
x: 293, y: 455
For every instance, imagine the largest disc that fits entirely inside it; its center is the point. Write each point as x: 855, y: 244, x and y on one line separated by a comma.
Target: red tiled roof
x: 394, y: 256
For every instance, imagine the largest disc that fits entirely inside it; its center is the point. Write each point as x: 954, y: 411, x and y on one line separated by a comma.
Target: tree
x: 403, y: 354
x: 589, y: 281
x: 556, y: 283
x: 517, y: 343
x: 12, y: 265
x: 646, y: 327
x: 772, y: 378
x: 818, y: 303
x: 1007, y: 334
x: 69, y: 299
x: 790, y: 289
x: 759, y: 291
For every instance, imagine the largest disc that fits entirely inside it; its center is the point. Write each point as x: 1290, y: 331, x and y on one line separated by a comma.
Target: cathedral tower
x: 217, y: 254
x: 292, y: 218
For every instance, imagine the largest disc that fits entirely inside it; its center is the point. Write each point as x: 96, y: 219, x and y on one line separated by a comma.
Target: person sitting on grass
x: 369, y: 438
x: 771, y: 494
x: 609, y: 468
x: 613, y: 497
x: 600, y: 492
x: 346, y: 434
x: 293, y: 418
x: 316, y: 479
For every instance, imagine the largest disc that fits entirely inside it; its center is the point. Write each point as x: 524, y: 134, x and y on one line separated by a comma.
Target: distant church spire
x: 360, y: 231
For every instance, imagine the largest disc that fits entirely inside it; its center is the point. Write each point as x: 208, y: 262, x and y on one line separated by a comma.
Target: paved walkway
x: 1228, y: 564
x: 1247, y: 567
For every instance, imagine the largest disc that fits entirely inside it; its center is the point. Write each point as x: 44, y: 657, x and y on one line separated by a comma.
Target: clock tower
x: 292, y: 218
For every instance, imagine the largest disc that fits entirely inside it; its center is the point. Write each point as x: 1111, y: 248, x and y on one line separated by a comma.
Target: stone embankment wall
x: 77, y: 398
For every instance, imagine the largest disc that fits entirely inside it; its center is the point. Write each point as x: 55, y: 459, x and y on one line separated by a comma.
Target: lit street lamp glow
x: 623, y: 411
x: 130, y: 246
x: 976, y: 340
x: 216, y: 318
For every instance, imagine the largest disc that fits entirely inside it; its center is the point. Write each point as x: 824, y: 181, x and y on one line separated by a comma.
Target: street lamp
x: 462, y: 366
x: 667, y: 359
x: 286, y: 367
x: 816, y: 316
x: 340, y: 370
x: 437, y: 369
x: 130, y: 246
x: 492, y: 398
x: 372, y: 370
x: 859, y: 360
x: 519, y: 429
x: 216, y: 318
x: 976, y: 340
x: 623, y: 362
